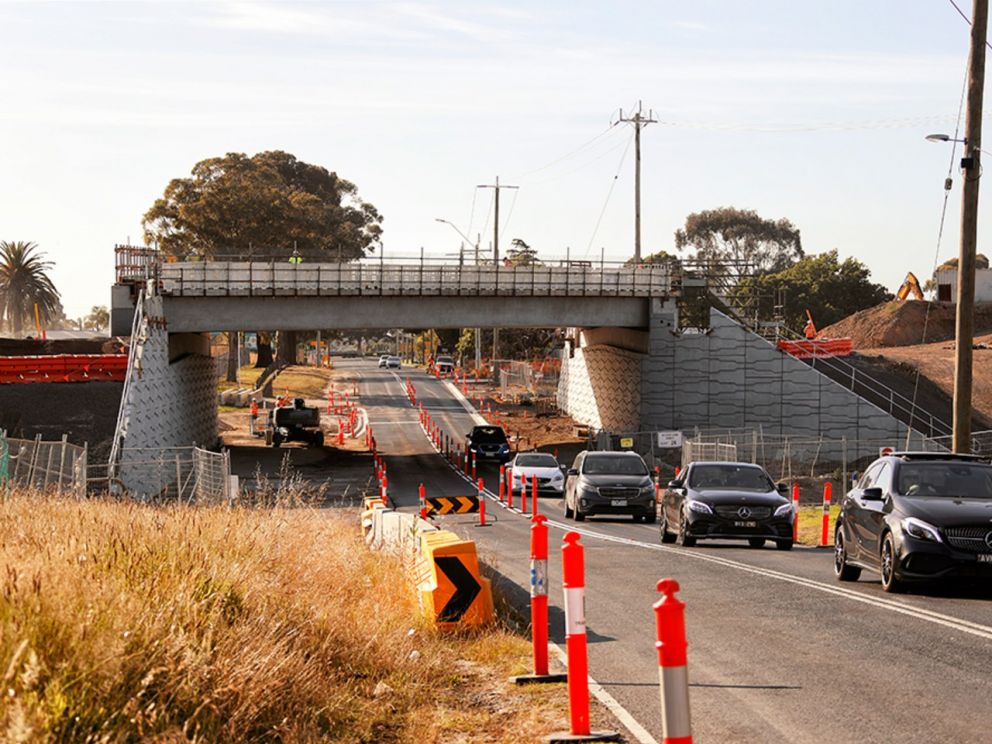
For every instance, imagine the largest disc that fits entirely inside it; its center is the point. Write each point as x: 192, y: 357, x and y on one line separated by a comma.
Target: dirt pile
x: 898, y: 323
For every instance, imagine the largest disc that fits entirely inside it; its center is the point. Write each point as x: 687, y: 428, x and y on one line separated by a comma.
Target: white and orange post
x: 509, y: 487
x: 673, y: 669
x: 482, y: 502
x: 533, y: 495
x: 423, y: 502
x: 574, y: 584
x: 385, y: 489
x: 828, y: 489
x: 795, y: 512
x: 502, y: 483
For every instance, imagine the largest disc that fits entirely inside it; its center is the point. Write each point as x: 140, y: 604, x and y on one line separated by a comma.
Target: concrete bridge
x: 629, y: 365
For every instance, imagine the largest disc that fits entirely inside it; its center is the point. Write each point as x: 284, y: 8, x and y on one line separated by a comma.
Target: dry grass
x: 247, y: 376
x: 128, y: 622
x: 811, y: 524
x: 306, y: 382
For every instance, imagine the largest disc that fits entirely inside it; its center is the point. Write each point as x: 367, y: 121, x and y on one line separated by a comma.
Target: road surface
x: 778, y: 650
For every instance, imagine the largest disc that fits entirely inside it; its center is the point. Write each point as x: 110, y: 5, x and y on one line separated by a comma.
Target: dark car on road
x: 916, y: 516
x: 727, y: 501
x: 609, y: 483
x: 488, y: 443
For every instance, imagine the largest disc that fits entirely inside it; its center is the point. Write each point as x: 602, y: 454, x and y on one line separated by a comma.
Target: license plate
x: 745, y: 524
x: 985, y: 557
x: 618, y: 502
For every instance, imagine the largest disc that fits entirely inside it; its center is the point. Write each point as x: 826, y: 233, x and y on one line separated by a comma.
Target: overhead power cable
x: 966, y: 18
x: 609, y: 193
x: 569, y: 154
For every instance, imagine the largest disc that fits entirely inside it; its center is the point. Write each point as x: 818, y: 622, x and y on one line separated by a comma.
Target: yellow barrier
x: 452, y: 591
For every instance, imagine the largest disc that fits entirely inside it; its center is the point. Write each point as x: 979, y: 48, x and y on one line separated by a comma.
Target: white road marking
x: 630, y: 723
x: 469, y: 408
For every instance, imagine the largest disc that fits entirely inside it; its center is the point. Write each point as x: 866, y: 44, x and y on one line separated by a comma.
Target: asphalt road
x: 778, y: 650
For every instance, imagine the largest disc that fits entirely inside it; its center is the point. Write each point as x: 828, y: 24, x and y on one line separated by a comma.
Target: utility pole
x: 497, y: 186
x: 972, y: 170
x: 639, y: 120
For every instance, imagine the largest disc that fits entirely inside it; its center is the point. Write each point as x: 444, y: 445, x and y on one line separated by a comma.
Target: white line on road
x: 630, y: 723
x: 476, y: 417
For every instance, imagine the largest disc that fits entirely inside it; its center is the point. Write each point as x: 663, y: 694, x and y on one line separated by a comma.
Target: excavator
x: 910, y: 285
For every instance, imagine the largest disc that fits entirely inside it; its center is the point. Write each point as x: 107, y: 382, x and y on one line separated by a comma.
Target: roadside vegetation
x: 306, y: 382
x: 811, y: 524
x: 127, y: 622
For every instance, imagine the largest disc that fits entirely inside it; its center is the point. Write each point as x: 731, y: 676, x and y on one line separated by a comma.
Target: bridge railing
x: 255, y: 278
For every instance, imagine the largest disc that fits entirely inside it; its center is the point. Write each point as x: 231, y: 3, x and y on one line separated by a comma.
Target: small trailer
x: 298, y: 423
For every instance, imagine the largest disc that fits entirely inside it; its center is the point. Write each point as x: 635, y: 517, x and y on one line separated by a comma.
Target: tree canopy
x: 521, y: 254
x: 263, y: 204
x: 829, y: 288
x: 740, y: 240
x: 24, y: 282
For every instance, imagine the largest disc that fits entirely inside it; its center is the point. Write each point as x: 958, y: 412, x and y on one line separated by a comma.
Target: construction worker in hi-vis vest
x: 296, y: 258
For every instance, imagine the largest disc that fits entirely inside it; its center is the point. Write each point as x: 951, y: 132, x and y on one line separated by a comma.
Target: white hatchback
x: 526, y: 465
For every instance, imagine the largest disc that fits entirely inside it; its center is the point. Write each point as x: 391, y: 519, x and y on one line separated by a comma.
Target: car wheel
x: 842, y: 570
x: 784, y: 544
x: 276, y: 439
x: 569, y: 513
x: 756, y: 542
x: 579, y: 515
x: 666, y: 536
x: 684, y: 538
x: 890, y: 565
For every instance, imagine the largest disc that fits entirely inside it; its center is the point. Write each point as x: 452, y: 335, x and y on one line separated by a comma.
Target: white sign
x: 669, y: 439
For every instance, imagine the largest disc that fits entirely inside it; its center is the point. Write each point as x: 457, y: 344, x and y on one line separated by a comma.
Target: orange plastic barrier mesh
x: 63, y: 368
x: 816, y: 348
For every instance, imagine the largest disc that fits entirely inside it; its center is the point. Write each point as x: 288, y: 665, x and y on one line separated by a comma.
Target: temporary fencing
x: 33, y: 463
x: 184, y: 474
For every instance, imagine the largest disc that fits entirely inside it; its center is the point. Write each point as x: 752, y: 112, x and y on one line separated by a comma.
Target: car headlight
x: 647, y: 490
x: 699, y: 507
x: 784, y: 510
x: 590, y: 490
x: 557, y: 477
x: 920, y: 530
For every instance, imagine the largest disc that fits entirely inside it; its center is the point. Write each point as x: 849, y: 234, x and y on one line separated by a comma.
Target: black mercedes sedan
x: 726, y: 500
x: 916, y: 516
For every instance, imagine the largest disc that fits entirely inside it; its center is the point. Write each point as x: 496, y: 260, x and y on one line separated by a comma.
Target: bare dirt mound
x: 898, y: 323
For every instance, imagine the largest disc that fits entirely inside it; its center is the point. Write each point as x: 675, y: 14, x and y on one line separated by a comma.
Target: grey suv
x: 609, y: 483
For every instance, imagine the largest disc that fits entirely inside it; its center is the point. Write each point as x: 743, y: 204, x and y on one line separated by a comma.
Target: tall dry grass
x: 124, y: 622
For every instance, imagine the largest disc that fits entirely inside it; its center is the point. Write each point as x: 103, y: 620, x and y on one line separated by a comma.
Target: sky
x: 800, y: 109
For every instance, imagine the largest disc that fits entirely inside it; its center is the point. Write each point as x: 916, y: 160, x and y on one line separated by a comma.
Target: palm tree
x: 24, y: 283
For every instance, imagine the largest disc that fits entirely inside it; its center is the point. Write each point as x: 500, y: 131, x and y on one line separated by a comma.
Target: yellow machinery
x: 910, y: 284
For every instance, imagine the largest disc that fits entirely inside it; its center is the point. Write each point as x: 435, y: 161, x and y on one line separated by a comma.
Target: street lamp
x: 464, y: 237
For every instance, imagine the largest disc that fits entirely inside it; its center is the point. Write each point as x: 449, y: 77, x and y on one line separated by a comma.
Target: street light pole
x: 972, y: 169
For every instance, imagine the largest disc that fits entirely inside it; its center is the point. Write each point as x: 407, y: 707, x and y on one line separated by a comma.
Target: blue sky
x: 813, y: 111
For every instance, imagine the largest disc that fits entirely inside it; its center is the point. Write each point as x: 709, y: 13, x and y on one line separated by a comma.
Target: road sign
x: 465, y: 585
x: 453, y: 504
x: 883, y: 451
x: 669, y: 439
x: 626, y: 441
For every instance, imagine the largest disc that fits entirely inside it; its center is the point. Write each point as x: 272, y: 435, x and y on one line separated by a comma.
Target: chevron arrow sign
x: 452, y: 504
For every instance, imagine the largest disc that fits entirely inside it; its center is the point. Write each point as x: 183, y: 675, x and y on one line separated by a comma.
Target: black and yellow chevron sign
x: 453, y: 504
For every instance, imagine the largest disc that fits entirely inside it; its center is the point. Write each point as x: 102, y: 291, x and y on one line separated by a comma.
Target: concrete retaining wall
x: 171, y: 398
x: 600, y: 386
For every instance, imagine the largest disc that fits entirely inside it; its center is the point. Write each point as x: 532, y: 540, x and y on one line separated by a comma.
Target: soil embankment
x: 904, y: 323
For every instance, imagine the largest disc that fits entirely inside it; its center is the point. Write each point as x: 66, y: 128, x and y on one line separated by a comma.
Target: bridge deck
x: 253, y: 279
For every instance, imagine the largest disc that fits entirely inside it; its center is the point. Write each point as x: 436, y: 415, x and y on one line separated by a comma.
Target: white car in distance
x: 526, y: 465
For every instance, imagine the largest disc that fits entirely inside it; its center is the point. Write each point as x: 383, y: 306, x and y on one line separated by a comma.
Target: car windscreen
x: 488, y: 435
x: 952, y: 479
x: 613, y: 465
x: 535, y: 461
x: 736, y: 477
x: 445, y: 360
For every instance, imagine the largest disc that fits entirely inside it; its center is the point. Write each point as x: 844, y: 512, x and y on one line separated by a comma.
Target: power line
x: 496, y: 187
x: 567, y: 155
x: 639, y: 121
x: 609, y: 193
x: 509, y: 213
x: 966, y: 19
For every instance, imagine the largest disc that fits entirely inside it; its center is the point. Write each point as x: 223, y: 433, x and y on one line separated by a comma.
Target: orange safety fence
x: 63, y: 368
x: 819, y: 348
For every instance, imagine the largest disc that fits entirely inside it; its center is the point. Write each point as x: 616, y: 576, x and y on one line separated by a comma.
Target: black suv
x: 917, y: 516
x: 488, y: 443
x: 609, y: 483
x: 728, y: 501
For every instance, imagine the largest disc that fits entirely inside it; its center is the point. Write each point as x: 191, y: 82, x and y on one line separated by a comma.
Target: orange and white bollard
x: 828, y: 489
x: 465, y: 461
x: 523, y: 493
x: 474, y: 458
x: 795, y: 511
x: 423, y: 502
x: 673, y: 670
x: 677, y: 471
x: 502, y: 482
x: 574, y: 584
x: 385, y: 489
x: 482, y: 503
x: 533, y: 495
x: 509, y: 488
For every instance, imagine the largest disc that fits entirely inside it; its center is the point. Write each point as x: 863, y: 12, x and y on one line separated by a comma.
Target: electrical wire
x: 966, y: 18
x: 567, y: 155
x: 609, y: 193
x: 509, y: 212
x: 584, y: 165
x: 471, y: 215
x: 839, y: 126
x: 492, y: 197
x: 936, y: 255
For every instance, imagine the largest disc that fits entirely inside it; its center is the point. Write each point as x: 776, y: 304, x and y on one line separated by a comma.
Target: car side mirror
x: 674, y: 484
x: 872, y: 494
x: 573, y: 471
x: 782, y: 487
